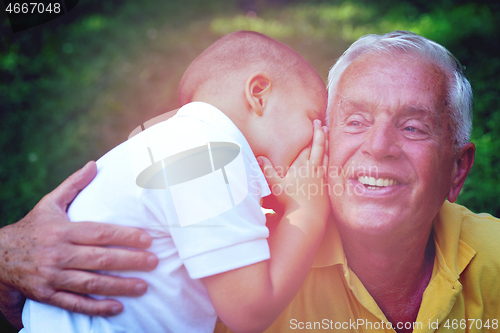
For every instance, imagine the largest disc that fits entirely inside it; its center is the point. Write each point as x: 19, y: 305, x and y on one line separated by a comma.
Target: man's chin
x: 370, y: 221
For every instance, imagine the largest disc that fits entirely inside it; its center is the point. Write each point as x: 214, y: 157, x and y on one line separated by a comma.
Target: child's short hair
x: 247, y: 52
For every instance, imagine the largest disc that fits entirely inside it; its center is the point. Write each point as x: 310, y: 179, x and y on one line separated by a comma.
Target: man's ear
x: 257, y: 89
x: 463, y: 164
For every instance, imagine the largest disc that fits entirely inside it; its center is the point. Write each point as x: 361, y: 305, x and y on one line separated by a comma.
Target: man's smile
x: 377, y: 183
x: 373, y: 183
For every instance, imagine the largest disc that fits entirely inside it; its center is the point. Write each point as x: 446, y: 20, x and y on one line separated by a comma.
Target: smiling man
x: 391, y: 114
x: 397, y: 254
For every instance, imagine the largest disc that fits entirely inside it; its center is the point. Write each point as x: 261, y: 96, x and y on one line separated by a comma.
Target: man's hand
x: 48, y: 259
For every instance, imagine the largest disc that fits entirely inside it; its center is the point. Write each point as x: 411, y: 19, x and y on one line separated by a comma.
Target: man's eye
x: 355, y: 124
x: 411, y: 129
x: 415, y: 130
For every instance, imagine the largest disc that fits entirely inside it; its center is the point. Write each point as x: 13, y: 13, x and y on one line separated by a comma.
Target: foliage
x: 74, y: 88
x: 54, y: 115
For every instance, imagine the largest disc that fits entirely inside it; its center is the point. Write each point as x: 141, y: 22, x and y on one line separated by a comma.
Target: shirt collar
x: 452, y: 254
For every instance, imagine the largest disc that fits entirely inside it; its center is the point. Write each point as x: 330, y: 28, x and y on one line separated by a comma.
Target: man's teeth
x: 380, y: 182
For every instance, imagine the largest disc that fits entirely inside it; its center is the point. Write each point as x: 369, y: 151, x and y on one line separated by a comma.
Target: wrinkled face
x: 290, y: 124
x: 391, y: 158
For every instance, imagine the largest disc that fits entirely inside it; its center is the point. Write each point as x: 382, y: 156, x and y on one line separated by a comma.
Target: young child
x: 194, y: 183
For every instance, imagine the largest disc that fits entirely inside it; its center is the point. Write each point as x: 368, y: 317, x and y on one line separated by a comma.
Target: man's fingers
x: 86, y: 305
x: 101, y: 258
x: 318, y: 144
x: 82, y: 282
x: 67, y: 190
x: 93, y: 233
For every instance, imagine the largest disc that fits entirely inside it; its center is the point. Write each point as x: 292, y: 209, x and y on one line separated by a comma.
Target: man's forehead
x: 389, y: 63
x: 414, y: 84
x: 346, y: 105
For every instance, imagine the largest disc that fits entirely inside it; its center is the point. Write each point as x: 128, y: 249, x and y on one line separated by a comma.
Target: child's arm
x: 250, y: 298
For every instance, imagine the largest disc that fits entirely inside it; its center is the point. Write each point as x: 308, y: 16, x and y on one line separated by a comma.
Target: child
x: 197, y: 190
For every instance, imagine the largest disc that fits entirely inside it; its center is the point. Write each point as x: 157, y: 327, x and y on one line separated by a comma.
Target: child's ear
x: 257, y: 89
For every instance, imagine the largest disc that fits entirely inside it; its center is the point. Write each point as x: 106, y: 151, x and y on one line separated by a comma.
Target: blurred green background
x: 74, y: 88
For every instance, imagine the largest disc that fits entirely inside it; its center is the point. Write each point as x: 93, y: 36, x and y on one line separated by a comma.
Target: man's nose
x: 383, y: 141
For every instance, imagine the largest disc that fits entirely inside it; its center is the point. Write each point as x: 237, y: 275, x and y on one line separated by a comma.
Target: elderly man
x: 396, y: 254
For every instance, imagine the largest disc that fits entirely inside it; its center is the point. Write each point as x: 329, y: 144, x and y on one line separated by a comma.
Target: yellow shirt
x: 462, y: 296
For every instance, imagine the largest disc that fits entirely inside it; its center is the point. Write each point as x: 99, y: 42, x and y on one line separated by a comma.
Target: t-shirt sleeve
x: 210, y: 203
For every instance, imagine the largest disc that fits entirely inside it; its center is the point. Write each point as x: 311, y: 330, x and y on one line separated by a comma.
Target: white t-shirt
x: 193, y: 183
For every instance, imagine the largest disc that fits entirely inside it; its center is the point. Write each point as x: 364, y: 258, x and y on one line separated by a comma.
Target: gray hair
x: 459, y: 89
